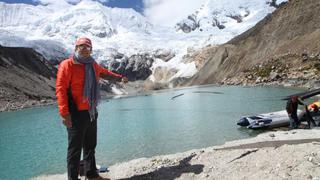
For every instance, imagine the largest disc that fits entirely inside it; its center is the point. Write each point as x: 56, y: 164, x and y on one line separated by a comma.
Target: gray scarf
x: 91, y: 89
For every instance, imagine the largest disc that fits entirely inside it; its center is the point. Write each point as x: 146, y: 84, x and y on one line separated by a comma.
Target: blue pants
x: 82, y: 135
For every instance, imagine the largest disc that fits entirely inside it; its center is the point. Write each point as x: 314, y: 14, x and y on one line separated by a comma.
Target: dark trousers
x: 309, y: 118
x: 82, y: 135
x: 294, y: 121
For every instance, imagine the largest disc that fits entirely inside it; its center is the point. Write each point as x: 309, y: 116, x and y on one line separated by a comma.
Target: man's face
x: 84, y: 50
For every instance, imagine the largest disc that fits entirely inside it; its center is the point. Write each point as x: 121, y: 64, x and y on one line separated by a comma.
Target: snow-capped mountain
x: 233, y: 16
x: 52, y: 30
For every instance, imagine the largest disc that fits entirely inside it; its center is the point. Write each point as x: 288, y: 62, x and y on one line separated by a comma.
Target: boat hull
x: 266, y: 120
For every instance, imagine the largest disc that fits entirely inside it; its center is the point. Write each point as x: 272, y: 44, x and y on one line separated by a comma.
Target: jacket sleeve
x: 300, y: 101
x: 62, y: 85
x: 106, y: 74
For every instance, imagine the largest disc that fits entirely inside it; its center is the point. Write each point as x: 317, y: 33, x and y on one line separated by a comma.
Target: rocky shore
x: 289, y: 70
x: 23, y: 104
x: 272, y: 155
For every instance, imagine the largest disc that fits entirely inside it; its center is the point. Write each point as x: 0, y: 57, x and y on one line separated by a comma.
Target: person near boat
x: 292, y: 108
x: 310, y: 113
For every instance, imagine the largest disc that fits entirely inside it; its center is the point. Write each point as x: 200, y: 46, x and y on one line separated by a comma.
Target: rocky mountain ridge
x: 27, y: 79
x: 215, y: 15
x: 289, y: 37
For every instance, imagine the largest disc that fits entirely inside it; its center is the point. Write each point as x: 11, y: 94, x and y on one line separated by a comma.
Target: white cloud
x: 169, y: 12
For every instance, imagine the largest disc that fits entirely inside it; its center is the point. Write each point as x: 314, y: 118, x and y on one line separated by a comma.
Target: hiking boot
x: 98, y: 178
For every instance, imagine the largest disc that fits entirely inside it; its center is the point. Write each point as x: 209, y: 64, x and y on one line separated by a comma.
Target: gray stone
x: 274, y: 76
x: 135, y: 67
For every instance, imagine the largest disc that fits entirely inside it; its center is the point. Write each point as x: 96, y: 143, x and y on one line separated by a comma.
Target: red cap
x: 83, y: 40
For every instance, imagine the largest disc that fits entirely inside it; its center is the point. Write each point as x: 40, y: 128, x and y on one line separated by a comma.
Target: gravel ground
x: 272, y: 155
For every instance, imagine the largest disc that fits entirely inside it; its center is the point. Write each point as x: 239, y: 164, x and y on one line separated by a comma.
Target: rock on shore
x: 291, y: 154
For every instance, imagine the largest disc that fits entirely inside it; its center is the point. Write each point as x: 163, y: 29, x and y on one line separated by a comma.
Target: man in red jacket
x: 78, y: 94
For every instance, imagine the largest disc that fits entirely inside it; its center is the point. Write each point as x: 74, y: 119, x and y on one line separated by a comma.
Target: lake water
x: 34, y: 141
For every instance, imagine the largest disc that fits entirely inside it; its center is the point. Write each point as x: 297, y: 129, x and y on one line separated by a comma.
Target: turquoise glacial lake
x: 33, y: 141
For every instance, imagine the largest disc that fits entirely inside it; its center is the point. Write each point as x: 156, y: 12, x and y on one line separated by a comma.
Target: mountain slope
x: 26, y: 78
x: 284, y: 36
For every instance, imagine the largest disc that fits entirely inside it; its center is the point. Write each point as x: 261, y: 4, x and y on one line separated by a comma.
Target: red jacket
x: 72, y: 73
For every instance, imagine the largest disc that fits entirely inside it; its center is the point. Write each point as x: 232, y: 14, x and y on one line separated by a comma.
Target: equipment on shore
x: 279, y: 118
x: 272, y: 119
x: 266, y: 120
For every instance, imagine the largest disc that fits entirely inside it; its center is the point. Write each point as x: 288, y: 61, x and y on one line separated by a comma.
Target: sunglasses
x: 82, y: 47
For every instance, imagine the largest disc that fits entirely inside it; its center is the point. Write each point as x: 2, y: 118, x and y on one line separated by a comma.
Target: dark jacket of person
x: 292, y: 106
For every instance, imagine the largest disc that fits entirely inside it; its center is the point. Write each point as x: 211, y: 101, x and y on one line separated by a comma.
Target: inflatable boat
x: 266, y: 120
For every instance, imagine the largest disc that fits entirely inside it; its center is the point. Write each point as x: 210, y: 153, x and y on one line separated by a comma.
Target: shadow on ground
x: 172, y: 172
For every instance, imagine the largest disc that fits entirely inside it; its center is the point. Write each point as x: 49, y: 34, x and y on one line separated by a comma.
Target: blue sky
x: 134, y: 4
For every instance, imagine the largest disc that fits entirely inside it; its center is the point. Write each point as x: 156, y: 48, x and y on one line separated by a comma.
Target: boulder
x: 135, y: 67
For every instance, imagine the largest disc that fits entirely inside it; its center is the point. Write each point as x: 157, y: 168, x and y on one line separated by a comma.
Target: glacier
x: 52, y: 29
